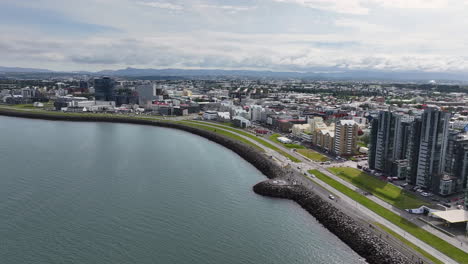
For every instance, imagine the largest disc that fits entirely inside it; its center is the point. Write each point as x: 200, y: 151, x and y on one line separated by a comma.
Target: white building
x: 224, y: 116
x: 210, y: 115
x: 284, y: 140
x: 256, y: 112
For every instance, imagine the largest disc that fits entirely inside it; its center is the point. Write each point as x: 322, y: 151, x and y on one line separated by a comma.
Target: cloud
x: 347, y: 6
x: 355, y: 34
x: 162, y: 5
x: 284, y: 52
x: 362, y: 7
x: 229, y: 8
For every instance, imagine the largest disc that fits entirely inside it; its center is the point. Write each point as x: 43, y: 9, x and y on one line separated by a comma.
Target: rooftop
x: 453, y: 216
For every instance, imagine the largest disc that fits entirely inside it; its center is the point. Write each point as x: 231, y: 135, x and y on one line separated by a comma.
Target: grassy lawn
x: 23, y: 106
x: 430, y: 239
x: 384, y: 190
x: 312, y: 155
x: 222, y: 132
x: 253, y: 137
x: 409, y: 244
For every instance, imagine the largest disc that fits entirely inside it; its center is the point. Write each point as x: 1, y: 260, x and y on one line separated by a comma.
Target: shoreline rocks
x: 367, y: 245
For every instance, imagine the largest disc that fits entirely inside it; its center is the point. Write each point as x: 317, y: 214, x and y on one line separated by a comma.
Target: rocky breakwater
x: 369, y: 246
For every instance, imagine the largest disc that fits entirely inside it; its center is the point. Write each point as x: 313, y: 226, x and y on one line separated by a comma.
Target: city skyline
x: 279, y: 35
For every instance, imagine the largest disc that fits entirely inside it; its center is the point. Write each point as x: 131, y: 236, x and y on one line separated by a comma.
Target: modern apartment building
x: 412, y: 150
x: 389, y: 142
x: 346, y: 132
x: 432, y: 148
x: 456, y: 162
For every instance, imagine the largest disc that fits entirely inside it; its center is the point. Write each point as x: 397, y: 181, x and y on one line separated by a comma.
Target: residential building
x: 389, y: 141
x: 256, y: 113
x: 346, y: 132
x: 412, y: 150
x: 456, y: 160
x: 298, y: 129
x: 432, y: 148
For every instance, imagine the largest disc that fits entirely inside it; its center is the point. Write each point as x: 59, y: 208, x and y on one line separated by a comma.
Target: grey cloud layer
x: 261, y: 34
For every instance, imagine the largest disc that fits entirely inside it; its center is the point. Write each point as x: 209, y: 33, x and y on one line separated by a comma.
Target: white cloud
x: 394, y: 35
x: 362, y: 7
x: 229, y: 8
x: 346, y: 6
x: 163, y: 5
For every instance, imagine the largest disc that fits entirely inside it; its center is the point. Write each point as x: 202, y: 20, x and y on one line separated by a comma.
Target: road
x: 347, y: 204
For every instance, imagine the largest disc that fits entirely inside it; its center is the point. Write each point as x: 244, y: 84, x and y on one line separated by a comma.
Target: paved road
x: 347, y: 204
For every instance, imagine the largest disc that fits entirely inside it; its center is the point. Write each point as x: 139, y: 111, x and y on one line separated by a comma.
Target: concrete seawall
x: 366, y: 244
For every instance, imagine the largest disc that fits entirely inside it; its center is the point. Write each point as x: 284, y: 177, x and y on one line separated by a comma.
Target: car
x: 331, y: 197
x: 446, y: 205
x: 435, y: 199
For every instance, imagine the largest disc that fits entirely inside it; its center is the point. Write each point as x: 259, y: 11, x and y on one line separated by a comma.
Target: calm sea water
x: 116, y: 193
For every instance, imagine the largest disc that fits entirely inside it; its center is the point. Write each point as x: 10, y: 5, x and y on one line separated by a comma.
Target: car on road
x: 331, y: 197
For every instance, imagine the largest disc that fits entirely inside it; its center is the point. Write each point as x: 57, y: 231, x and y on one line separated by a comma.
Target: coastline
x: 354, y: 234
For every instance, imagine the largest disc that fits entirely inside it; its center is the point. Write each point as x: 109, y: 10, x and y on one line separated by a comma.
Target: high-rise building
x: 432, y: 148
x: 456, y: 160
x: 385, y: 141
x: 412, y: 150
x: 104, y: 89
x: 256, y: 112
x: 466, y: 200
x: 346, y: 132
x: 373, y: 142
x: 388, y: 146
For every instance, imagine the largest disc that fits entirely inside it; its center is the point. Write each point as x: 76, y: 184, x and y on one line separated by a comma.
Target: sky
x: 278, y: 35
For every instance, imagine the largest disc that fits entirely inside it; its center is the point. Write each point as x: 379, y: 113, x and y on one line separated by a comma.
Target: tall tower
x: 413, y: 150
x: 432, y: 147
x: 104, y: 89
x: 389, y: 137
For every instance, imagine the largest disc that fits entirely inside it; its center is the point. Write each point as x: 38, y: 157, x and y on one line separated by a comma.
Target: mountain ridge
x: 318, y: 73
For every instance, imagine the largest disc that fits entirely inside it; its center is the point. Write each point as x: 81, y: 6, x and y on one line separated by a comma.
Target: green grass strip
x: 409, y: 244
x: 423, y: 235
x: 253, y: 137
x: 313, y: 155
x: 381, y: 189
x: 221, y: 132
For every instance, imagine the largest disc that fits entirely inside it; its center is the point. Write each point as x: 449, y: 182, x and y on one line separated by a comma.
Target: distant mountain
x: 330, y: 73
x: 20, y: 70
x: 319, y: 73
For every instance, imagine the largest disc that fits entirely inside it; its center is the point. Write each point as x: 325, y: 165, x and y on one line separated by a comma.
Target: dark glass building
x: 104, y: 89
